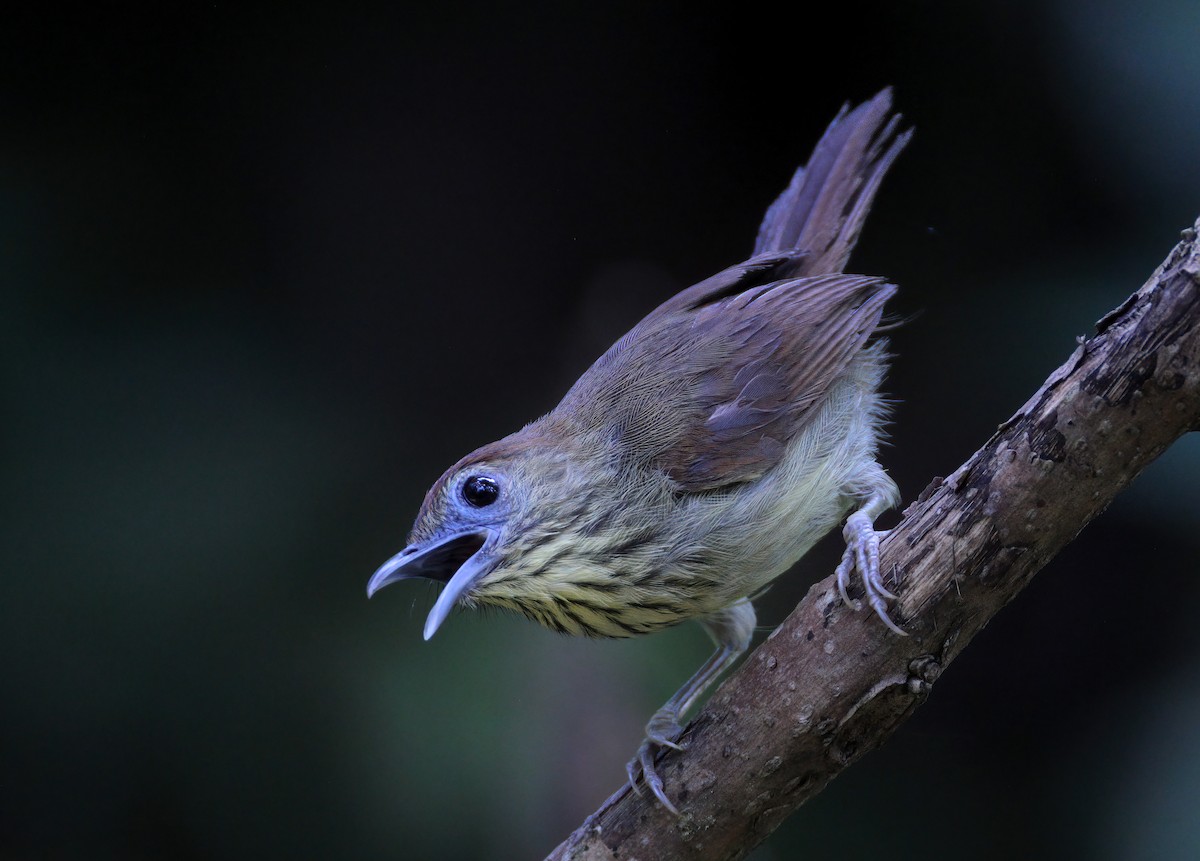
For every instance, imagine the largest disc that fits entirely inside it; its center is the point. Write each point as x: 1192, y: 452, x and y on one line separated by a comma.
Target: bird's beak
x: 456, y: 561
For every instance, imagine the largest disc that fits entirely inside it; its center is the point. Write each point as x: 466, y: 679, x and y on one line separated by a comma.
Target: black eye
x: 480, y: 490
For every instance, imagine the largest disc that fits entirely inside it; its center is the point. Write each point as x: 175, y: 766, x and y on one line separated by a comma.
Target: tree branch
x: 831, y: 684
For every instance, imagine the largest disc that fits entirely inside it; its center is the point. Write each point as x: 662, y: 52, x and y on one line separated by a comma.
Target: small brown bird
x: 702, y: 455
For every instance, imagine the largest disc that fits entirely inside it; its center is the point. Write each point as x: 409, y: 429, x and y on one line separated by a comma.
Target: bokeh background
x: 265, y: 274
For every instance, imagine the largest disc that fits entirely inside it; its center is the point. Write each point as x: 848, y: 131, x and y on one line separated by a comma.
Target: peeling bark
x: 831, y: 684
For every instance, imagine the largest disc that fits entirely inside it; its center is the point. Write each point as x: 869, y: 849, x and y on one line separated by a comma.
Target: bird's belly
x: 702, y: 557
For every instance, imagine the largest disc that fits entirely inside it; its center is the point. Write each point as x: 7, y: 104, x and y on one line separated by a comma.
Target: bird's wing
x: 712, y: 395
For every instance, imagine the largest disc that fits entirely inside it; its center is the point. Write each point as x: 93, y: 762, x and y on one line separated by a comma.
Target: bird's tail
x: 822, y: 210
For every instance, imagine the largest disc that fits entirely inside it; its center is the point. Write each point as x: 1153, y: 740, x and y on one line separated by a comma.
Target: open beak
x: 456, y: 561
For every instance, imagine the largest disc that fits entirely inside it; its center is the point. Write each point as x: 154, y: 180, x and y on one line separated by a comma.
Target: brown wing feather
x: 712, y: 396
x: 790, y: 342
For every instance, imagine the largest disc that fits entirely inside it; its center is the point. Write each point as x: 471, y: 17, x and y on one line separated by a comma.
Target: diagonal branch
x: 831, y: 684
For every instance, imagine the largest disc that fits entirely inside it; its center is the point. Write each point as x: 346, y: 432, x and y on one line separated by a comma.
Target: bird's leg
x: 731, y: 629
x: 862, y: 544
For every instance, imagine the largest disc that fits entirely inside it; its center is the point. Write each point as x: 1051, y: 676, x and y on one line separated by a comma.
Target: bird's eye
x: 480, y: 490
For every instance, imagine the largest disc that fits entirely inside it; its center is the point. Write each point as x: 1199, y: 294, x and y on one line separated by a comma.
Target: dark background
x: 265, y: 275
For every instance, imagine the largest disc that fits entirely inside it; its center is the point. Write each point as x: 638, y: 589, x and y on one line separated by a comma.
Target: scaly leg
x: 731, y: 629
x: 862, y: 546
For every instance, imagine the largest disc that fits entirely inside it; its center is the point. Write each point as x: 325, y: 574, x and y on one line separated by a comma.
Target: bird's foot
x: 862, y: 553
x: 662, y: 731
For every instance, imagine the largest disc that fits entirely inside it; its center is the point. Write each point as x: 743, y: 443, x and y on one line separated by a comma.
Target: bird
x: 702, y: 455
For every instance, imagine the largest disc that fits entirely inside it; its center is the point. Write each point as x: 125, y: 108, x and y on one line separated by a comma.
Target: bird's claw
x: 862, y: 553
x: 661, y: 732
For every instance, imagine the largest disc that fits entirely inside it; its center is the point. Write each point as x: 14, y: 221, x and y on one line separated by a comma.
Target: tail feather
x: 822, y: 210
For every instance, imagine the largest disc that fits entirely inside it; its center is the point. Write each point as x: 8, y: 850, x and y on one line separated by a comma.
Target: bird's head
x: 479, y: 518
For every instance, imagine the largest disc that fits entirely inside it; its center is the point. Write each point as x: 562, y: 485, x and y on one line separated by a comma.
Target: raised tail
x: 822, y: 210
